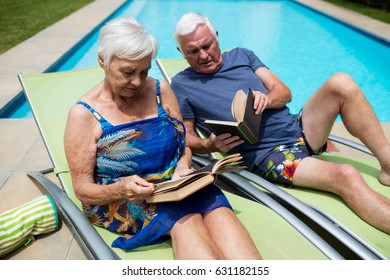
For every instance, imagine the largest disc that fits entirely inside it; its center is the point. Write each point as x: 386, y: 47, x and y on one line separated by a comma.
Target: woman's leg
x: 192, y: 240
x: 229, y: 235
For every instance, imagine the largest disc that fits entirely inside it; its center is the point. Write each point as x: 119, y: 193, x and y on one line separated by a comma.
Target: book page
x: 196, y: 180
x: 173, y: 184
x: 238, y: 106
x: 228, y: 163
x: 180, y: 193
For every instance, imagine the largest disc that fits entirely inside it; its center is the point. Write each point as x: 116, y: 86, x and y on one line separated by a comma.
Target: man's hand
x: 223, y: 142
x: 181, y: 172
x: 261, y: 102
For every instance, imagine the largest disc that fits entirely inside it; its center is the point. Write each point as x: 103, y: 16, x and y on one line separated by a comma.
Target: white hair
x: 125, y: 38
x: 189, y: 22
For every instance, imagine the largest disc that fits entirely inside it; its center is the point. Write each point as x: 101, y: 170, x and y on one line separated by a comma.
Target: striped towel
x: 18, y: 226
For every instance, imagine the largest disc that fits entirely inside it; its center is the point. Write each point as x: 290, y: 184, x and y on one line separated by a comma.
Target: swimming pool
x: 301, y: 46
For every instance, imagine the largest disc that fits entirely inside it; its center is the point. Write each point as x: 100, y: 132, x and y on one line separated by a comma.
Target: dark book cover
x: 246, y: 128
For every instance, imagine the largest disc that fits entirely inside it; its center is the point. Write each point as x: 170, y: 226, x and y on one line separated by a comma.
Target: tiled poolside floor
x: 21, y: 147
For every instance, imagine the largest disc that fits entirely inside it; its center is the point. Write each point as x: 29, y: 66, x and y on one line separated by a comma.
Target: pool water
x: 301, y: 46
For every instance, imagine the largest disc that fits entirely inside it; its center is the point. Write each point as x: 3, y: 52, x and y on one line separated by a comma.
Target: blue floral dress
x: 149, y: 148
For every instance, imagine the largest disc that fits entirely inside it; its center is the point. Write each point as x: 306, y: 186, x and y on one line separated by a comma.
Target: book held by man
x: 175, y: 190
x: 247, y: 123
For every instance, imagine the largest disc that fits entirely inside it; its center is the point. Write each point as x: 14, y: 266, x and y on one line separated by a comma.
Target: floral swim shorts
x: 280, y: 163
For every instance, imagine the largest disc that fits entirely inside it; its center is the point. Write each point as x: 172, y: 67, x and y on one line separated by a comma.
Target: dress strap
x: 161, y: 111
x: 104, y: 123
x: 158, y: 91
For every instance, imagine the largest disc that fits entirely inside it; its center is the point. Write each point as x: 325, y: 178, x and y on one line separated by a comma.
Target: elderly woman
x: 125, y: 135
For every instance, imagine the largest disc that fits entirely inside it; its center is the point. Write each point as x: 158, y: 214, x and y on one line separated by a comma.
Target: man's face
x: 201, y: 50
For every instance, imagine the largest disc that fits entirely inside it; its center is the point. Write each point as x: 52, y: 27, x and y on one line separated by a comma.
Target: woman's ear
x: 100, y: 61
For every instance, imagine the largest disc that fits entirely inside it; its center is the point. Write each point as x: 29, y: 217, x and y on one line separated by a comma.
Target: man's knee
x: 348, y: 176
x: 342, y: 84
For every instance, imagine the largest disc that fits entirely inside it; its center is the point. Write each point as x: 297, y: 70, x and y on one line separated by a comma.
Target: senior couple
x: 132, y: 130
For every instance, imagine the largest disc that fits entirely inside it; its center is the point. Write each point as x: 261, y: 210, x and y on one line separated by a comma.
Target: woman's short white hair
x: 189, y: 22
x: 125, y: 38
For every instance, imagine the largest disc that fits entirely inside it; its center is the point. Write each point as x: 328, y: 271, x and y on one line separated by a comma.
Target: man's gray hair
x: 189, y: 22
x: 125, y: 38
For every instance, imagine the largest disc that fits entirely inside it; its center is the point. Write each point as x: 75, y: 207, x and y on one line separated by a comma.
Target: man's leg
x: 341, y: 95
x: 345, y: 181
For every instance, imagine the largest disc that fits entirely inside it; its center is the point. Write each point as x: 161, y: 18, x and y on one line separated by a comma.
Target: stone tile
x: 17, y: 190
x: 75, y: 252
x: 4, y: 175
x: 17, y: 139
x: 36, y: 158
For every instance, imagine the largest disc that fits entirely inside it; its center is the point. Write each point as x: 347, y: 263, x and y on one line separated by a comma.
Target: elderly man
x: 287, y: 141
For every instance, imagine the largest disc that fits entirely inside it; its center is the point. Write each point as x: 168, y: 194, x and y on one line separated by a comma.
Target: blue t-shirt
x: 205, y: 97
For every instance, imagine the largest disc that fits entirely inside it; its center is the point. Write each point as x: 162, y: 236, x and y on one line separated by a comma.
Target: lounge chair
x: 324, y: 211
x: 276, y: 231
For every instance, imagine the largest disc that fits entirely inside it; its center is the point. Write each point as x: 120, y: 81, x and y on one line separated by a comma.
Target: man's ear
x: 180, y: 52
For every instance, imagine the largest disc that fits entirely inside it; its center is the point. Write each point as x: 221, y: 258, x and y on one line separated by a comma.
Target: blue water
x: 299, y: 45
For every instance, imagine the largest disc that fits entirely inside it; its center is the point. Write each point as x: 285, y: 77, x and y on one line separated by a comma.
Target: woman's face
x: 127, y: 77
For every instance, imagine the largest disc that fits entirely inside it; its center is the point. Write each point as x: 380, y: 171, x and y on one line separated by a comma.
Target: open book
x: 247, y: 123
x: 174, y: 190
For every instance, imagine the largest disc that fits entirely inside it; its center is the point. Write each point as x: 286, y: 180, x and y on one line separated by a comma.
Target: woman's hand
x: 136, y: 189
